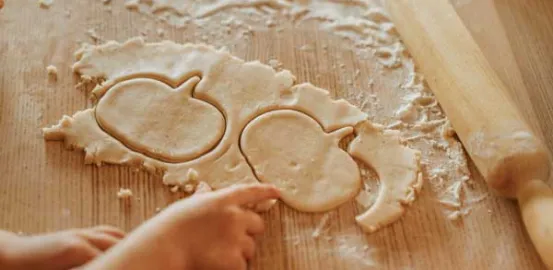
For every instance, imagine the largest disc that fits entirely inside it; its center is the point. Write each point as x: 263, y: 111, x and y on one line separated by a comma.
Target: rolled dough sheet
x: 182, y: 83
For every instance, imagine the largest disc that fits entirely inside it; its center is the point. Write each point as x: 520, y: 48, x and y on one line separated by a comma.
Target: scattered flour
x: 306, y: 47
x: 321, y: 226
x: 160, y: 32
x: 345, y: 244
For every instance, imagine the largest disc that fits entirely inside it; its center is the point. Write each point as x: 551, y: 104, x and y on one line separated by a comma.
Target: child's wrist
x: 7, y: 261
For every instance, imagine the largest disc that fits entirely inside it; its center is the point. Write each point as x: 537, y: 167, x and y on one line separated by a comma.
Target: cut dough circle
x: 290, y: 150
x: 164, y: 123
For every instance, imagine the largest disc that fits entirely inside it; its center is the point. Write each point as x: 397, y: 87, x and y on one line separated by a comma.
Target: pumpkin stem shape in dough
x: 290, y: 150
x: 167, y: 124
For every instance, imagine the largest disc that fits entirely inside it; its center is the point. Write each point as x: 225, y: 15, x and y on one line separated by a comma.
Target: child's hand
x: 207, y: 231
x: 60, y: 250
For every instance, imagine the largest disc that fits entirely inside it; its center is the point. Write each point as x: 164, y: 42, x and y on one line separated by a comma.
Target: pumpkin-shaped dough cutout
x: 167, y: 124
x: 290, y: 150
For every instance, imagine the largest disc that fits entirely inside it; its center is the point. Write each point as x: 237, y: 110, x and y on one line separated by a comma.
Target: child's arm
x: 208, y: 231
x: 59, y: 250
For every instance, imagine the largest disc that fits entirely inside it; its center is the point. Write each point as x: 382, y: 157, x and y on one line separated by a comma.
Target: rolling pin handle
x: 535, y: 200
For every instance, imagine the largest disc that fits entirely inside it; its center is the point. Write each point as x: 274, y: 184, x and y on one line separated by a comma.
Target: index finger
x: 249, y: 194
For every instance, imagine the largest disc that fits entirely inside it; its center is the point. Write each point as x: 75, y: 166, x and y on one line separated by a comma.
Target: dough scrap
x: 124, y: 193
x: 398, y: 168
x: 52, y: 72
x: 290, y: 150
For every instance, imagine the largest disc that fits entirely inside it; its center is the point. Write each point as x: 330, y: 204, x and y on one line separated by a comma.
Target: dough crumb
x: 93, y: 35
x: 275, y: 64
x: 306, y: 47
x: 202, y: 187
x: 175, y: 189
x: 160, y: 32
x: 45, y: 3
x: 86, y: 81
x: 189, y: 188
x: 192, y: 175
x: 158, y: 209
x: 106, y: 2
x: 124, y: 193
x: 52, y: 72
x: 132, y: 4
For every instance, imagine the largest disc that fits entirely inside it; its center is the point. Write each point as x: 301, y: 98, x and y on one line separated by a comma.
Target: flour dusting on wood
x: 385, y: 84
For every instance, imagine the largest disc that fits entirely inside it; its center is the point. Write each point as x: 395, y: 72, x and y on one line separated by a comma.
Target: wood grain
x: 45, y: 188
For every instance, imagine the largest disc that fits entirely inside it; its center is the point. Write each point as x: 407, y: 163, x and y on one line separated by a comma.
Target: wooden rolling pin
x: 511, y: 158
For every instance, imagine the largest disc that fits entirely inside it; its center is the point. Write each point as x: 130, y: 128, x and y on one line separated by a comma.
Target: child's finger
x: 76, y: 254
x: 101, y: 241
x: 82, y: 256
x: 248, y: 247
x: 254, y: 223
x: 248, y: 194
x: 113, y: 231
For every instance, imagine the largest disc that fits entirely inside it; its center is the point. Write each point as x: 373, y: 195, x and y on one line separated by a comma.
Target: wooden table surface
x: 44, y: 187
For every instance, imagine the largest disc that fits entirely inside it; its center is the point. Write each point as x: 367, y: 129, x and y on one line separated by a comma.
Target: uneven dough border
x: 306, y: 99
